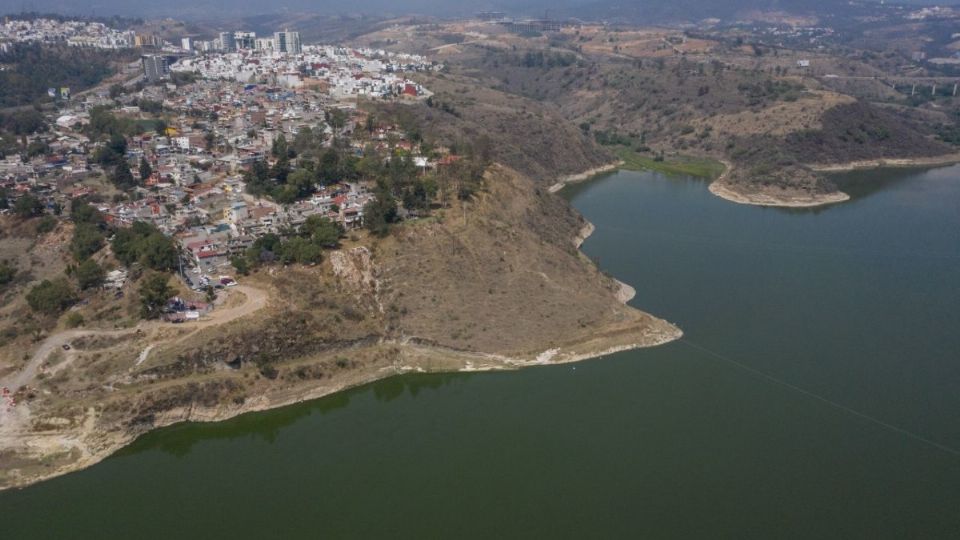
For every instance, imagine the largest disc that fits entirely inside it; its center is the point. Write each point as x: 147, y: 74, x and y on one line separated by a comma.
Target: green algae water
x: 819, y: 372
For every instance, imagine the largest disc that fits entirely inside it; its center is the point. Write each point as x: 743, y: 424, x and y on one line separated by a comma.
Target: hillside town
x: 178, y: 149
x: 73, y: 33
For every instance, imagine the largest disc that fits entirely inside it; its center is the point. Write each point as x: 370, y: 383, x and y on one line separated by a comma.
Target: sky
x: 442, y: 8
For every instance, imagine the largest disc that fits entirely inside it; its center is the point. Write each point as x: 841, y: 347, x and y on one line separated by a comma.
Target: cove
x: 807, y: 332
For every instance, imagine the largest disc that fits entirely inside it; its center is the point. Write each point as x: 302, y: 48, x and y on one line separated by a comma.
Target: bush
x: 87, y: 240
x: 7, y: 273
x: 155, y: 291
x: 89, y: 274
x: 46, y: 224
x: 74, y: 320
x: 145, y: 244
x: 269, y: 372
x: 51, y: 297
x: 28, y: 206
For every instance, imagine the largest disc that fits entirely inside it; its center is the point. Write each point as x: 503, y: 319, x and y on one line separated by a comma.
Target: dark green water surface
x: 855, y: 306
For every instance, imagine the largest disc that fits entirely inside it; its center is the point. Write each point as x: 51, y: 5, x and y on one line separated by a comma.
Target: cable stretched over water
x: 770, y: 378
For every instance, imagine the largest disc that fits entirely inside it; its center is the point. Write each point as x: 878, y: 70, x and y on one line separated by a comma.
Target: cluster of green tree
x: 397, y: 181
x: 773, y: 90
x: 307, y: 143
x: 23, y: 122
x: 543, y: 59
x: 52, y: 297
x: 435, y: 102
x: 9, y: 144
x: 304, y: 246
x: 33, y: 68
x: 181, y: 78
x: 154, y: 292
x: 145, y: 244
x: 150, y: 106
x: 612, y: 138
x: 112, y: 155
x: 948, y: 133
x: 27, y: 206
x: 142, y: 243
x: 286, y: 186
x: 103, y: 123
x: 89, y: 237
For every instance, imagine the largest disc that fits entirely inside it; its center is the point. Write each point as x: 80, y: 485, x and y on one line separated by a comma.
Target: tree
x: 302, y: 182
x: 379, y: 213
x: 160, y: 127
x: 328, y: 170
x: 337, y: 119
x: 89, y: 274
x: 51, y: 297
x: 146, y: 244
x: 145, y: 169
x: 322, y: 231
x: 158, y: 252
x: 122, y: 177
x: 240, y: 264
x: 257, y: 179
x: 82, y: 212
x: 28, y: 206
x: 87, y: 240
x: 279, y: 148
x: 7, y: 273
x: 300, y: 250
x: 281, y: 169
x: 154, y: 292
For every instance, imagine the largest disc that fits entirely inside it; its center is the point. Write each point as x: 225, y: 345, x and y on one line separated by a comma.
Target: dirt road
x: 255, y: 299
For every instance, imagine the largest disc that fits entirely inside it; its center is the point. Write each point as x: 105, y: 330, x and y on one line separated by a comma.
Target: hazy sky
x: 235, y: 8
x: 242, y: 7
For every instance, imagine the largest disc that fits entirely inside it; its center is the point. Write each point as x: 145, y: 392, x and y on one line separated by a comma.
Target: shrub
x: 51, y: 297
x: 89, y: 274
x: 7, y: 273
x: 46, y: 224
x: 154, y: 293
x: 74, y: 320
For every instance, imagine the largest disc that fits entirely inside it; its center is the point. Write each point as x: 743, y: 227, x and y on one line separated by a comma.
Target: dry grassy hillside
x: 528, y: 136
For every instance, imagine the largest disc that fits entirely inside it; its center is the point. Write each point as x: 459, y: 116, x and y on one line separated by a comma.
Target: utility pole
x: 913, y: 90
x: 954, y: 89
x: 933, y: 91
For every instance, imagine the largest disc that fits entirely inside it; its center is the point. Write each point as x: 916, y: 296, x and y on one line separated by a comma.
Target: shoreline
x: 723, y: 191
x: 892, y: 163
x: 727, y: 192
x: 97, y: 443
x: 584, y: 176
x: 720, y: 188
x: 94, y: 443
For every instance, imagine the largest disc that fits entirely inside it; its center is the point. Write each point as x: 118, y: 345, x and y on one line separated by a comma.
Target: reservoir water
x: 816, y: 394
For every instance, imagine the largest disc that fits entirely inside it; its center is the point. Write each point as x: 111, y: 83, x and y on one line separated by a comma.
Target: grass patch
x: 688, y: 165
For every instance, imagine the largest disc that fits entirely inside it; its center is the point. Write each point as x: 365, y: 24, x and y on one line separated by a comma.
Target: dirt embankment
x: 496, y: 284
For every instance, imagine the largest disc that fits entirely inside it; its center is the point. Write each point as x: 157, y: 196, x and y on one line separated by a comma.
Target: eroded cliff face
x: 493, y: 283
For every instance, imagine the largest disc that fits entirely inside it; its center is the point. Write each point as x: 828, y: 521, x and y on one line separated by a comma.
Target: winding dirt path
x: 256, y: 299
